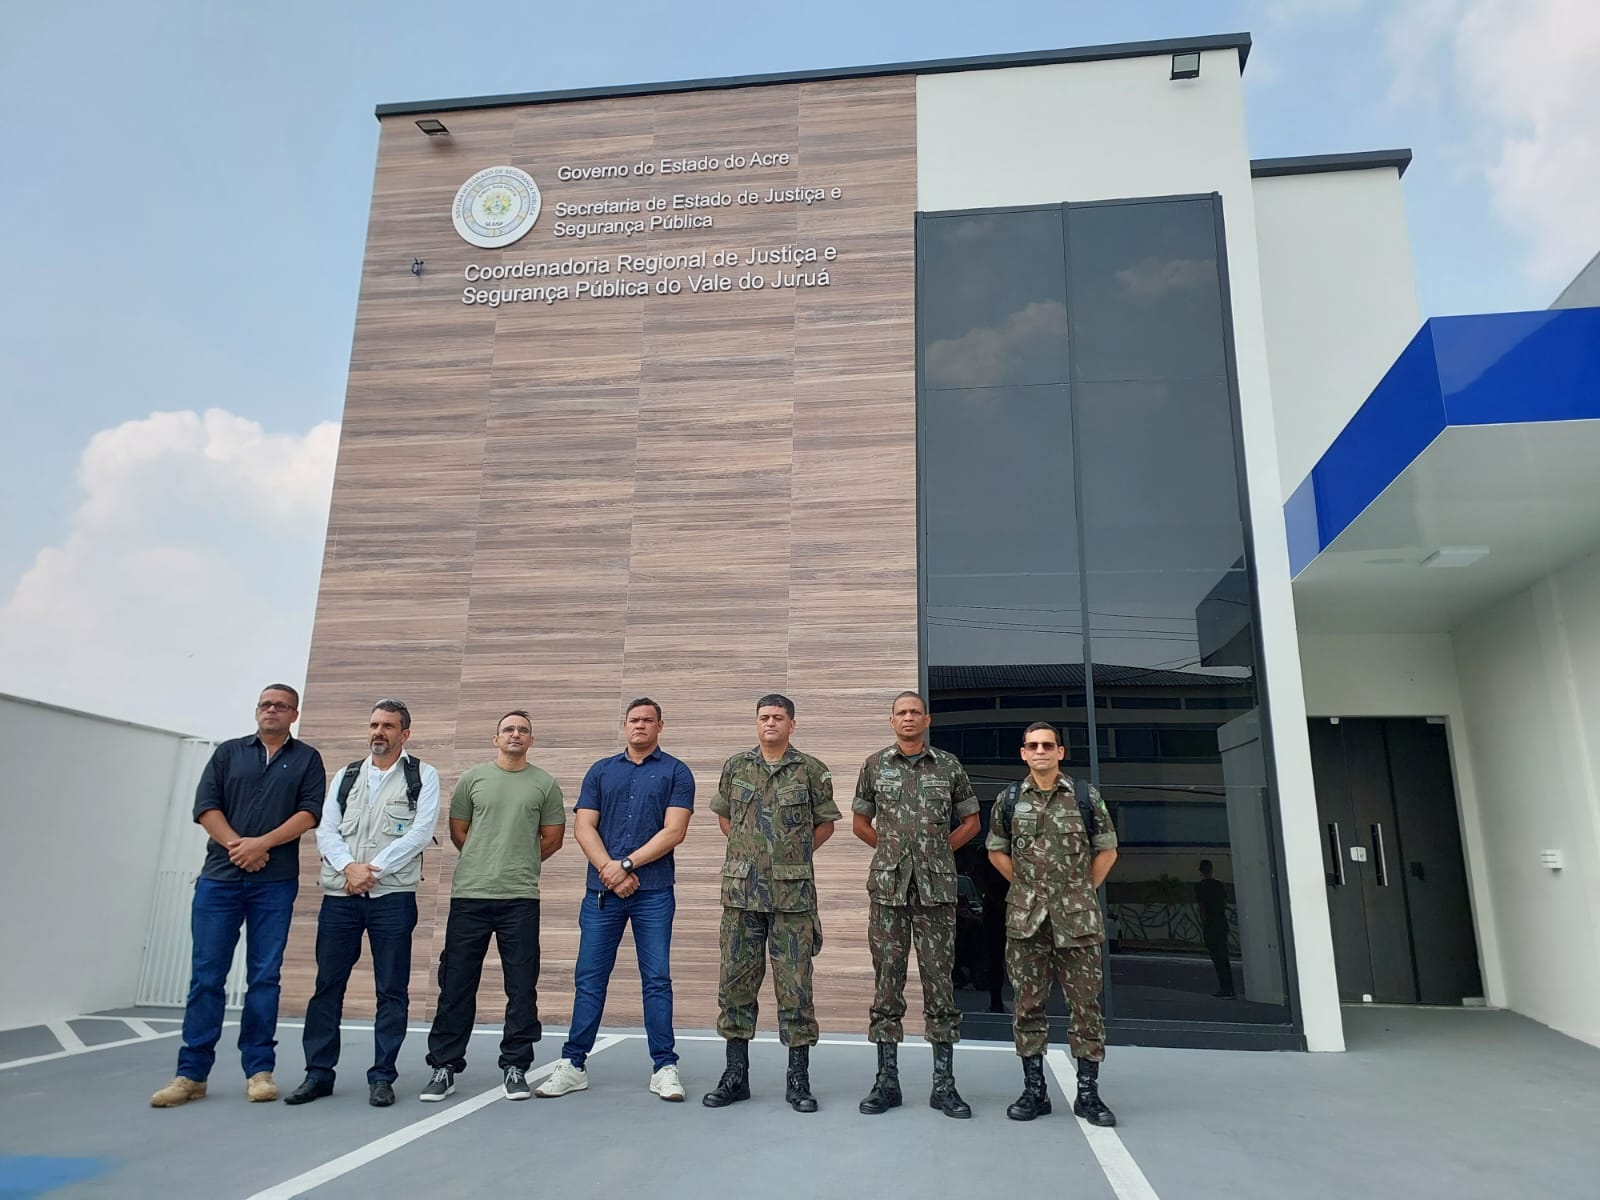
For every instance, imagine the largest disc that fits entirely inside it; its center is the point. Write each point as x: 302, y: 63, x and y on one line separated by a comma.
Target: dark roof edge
x: 1317, y: 164
x: 938, y: 66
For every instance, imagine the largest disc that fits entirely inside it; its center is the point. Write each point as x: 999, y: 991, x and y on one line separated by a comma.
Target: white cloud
x: 188, y: 577
x: 1523, y: 71
x: 1156, y: 276
x: 986, y: 356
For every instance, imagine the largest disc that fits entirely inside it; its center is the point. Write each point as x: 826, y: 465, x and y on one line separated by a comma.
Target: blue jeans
x: 221, y: 907
x: 600, y: 932
x: 388, y: 921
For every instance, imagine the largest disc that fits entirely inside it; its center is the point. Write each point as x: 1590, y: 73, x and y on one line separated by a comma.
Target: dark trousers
x: 515, y: 926
x: 1217, y: 946
x: 388, y: 922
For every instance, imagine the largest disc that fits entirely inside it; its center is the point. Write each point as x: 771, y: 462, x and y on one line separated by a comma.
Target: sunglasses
x: 1040, y: 745
x: 274, y: 706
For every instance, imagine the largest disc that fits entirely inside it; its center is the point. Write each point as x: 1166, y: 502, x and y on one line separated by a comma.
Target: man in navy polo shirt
x: 256, y: 797
x: 633, y: 808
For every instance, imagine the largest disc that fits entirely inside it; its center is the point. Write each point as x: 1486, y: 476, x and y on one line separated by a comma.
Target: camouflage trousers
x: 890, y: 930
x: 747, y: 938
x: 1032, y: 962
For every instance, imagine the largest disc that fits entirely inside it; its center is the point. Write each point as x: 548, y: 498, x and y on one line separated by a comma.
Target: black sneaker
x: 441, y: 1085
x: 381, y: 1094
x: 517, y: 1084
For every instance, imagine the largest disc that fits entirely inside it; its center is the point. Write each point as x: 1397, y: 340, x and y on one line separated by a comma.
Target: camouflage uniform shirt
x: 1050, y: 854
x: 910, y: 799
x: 771, y: 813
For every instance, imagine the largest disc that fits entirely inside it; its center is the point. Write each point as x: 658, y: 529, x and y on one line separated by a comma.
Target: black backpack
x: 411, y: 767
x: 1007, y: 804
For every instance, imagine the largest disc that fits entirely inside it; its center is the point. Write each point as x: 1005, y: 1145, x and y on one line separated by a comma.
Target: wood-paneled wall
x: 695, y: 497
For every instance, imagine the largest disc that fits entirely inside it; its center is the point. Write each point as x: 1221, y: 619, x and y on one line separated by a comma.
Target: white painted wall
x: 1530, y: 686
x: 1080, y: 131
x: 1412, y: 675
x: 84, y: 806
x: 1106, y: 130
x: 1341, y: 301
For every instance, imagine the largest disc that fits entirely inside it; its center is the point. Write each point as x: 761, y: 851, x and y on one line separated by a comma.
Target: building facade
x: 986, y: 377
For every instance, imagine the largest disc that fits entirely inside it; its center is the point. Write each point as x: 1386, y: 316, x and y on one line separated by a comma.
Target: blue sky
x: 184, y: 204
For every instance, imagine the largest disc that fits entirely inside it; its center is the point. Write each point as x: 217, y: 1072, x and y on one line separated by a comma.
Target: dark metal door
x: 1430, y: 859
x: 1397, y: 891
x: 1394, y: 977
x: 1346, y: 909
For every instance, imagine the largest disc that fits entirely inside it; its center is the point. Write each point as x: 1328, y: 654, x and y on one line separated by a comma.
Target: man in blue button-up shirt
x: 634, y: 807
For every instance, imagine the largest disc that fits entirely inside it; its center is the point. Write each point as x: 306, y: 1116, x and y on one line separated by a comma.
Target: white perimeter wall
x: 1107, y: 130
x: 1413, y: 675
x: 1340, y: 300
x: 1530, y: 686
x: 84, y: 809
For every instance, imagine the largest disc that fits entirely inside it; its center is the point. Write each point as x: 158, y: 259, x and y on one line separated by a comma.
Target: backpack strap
x: 1081, y: 793
x: 413, y: 771
x: 1007, y: 804
x: 348, y: 780
x: 410, y: 766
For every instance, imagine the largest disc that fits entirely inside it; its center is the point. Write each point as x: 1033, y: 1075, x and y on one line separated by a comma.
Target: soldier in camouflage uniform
x: 905, y: 795
x: 1053, y: 921
x: 775, y: 806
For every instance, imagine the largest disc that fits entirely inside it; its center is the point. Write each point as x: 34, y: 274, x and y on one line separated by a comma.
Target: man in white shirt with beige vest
x: 378, y: 816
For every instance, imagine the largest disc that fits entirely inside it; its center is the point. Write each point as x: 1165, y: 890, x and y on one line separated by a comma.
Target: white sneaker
x: 666, y: 1084
x: 565, y: 1078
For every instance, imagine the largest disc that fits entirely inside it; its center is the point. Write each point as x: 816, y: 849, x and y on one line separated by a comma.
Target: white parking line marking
x: 143, y: 1028
x: 334, y: 1168
x: 1121, y: 1172
x: 39, y: 1058
x: 64, y: 1034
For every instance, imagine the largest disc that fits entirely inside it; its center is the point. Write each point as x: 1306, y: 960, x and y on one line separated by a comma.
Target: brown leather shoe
x: 180, y: 1091
x: 261, y: 1087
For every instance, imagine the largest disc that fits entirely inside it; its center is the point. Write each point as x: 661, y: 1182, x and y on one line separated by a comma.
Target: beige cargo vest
x: 368, y: 824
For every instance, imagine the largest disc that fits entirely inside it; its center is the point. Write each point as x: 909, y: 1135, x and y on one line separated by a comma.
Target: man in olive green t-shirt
x: 506, y: 819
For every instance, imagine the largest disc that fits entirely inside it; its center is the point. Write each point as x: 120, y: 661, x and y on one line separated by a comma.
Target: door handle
x: 1381, y: 867
x: 1335, y: 852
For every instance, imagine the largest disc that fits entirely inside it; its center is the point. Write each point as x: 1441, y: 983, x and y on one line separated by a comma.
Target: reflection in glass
x: 1001, y: 574
x: 1170, y: 617
x: 992, y: 300
x: 1080, y: 503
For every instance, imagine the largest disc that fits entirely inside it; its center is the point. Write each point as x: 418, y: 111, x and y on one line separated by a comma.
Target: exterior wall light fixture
x: 416, y: 267
x: 1185, y: 65
x: 434, y: 127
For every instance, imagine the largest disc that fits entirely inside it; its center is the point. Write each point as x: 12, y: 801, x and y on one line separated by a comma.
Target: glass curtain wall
x: 1085, y: 561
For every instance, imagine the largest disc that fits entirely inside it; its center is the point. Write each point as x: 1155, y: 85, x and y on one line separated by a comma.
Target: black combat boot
x: 885, y: 1093
x: 1088, y: 1105
x: 944, y: 1096
x: 797, y: 1090
x: 735, y: 1082
x: 1035, y: 1100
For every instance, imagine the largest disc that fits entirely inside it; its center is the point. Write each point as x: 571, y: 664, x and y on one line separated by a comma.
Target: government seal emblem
x: 496, y: 207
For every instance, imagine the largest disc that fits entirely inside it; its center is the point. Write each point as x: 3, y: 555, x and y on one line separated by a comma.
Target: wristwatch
x: 627, y: 865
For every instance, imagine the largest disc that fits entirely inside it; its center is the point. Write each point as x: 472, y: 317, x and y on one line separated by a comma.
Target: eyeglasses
x: 389, y: 704
x: 1041, y: 745
x: 274, y: 706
